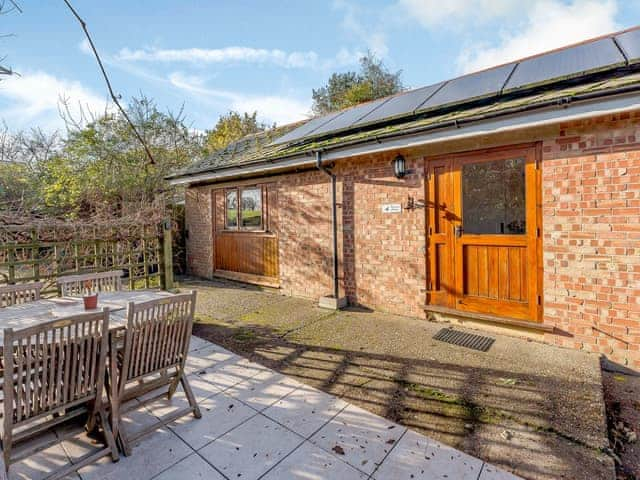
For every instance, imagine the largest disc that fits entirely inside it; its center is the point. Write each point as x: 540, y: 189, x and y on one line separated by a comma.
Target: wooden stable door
x: 483, y: 232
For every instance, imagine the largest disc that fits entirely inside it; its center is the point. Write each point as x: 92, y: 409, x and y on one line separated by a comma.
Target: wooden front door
x: 483, y: 232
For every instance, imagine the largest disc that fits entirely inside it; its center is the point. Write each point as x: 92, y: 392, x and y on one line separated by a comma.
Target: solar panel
x: 630, y: 43
x: 470, y: 87
x: 306, y: 129
x: 568, y: 63
x: 571, y: 62
x: 349, y: 117
x: 402, y: 104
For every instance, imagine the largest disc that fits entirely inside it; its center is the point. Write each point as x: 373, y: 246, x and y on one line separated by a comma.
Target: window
x: 245, y: 212
x: 231, y: 209
x: 493, y: 197
x: 251, y: 215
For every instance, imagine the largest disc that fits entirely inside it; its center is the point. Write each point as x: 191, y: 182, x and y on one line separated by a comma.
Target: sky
x: 208, y: 57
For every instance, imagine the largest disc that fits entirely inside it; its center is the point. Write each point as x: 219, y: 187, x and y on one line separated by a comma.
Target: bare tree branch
x: 4, y: 11
x: 114, y: 97
x: 15, y: 5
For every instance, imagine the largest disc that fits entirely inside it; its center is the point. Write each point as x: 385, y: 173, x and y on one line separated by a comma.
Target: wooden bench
x: 78, y: 285
x: 19, y: 294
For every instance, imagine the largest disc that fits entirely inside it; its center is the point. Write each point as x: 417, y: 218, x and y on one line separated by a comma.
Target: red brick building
x: 505, y: 199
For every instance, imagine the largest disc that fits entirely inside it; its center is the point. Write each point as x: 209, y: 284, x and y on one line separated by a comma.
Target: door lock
x: 458, y: 231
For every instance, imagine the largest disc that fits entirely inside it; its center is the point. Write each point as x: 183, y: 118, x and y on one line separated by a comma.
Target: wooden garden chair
x: 151, y: 356
x: 77, y: 285
x: 54, y: 372
x: 19, y: 294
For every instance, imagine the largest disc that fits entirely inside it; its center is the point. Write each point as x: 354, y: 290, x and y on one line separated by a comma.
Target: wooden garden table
x: 44, y: 310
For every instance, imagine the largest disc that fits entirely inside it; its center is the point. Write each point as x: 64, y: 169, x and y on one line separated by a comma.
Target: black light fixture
x: 399, y: 166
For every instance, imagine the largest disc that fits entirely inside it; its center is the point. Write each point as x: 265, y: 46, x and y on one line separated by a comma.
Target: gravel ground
x: 533, y: 409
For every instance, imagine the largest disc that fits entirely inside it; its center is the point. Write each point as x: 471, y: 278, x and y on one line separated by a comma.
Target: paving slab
x: 251, y: 449
x: 358, y: 437
x: 264, y: 389
x: 208, y: 357
x: 75, y: 441
x: 229, y: 373
x: 160, y: 405
x: 40, y: 465
x: 152, y: 455
x: 137, y: 418
x: 162, y: 408
x: 419, y: 457
x: 220, y: 414
x: 305, y: 410
x: 193, y: 467
x: 309, y: 462
x: 197, y: 343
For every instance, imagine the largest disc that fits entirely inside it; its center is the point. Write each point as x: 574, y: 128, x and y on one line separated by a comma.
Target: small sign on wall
x: 391, y: 208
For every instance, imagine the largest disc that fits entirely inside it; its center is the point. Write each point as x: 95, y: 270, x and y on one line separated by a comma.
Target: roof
x: 463, y: 99
x: 247, y: 149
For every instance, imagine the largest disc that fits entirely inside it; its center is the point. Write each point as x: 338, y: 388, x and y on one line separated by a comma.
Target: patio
x: 257, y: 423
x: 529, y: 408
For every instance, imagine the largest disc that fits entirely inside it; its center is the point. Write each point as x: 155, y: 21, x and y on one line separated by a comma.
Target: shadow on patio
x: 530, y: 408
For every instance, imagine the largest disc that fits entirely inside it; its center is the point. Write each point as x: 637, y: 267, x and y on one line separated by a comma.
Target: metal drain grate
x: 463, y: 339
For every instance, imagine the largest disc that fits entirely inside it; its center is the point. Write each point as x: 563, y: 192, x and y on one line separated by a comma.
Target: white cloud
x: 549, y: 24
x: 33, y: 99
x: 85, y: 47
x: 222, y: 55
x: 373, y: 38
x: 449, y: 13
x: 270, y: 108
x: 235, y: 54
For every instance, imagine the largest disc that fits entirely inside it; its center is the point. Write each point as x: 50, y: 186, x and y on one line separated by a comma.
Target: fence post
x: 11, y: 254
x: 166, y: 278
x: 35, y: 255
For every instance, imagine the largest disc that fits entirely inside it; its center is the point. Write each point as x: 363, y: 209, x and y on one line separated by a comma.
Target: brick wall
x: 591, y: 230
x: 198, y: 214
x: 591, y: 216
x: 384, y: 264
x: 304, y: 234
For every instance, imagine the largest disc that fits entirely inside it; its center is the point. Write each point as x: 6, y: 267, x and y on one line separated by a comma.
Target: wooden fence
x: 45, y: 253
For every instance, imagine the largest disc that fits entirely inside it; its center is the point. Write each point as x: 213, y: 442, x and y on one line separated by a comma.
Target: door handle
x: 458, y: 231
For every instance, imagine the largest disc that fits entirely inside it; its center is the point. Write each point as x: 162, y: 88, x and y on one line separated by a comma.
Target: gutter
x: 550, y: 112
x: 334, y: 222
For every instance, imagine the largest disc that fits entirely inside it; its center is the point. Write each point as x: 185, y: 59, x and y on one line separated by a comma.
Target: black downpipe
x: 334, y: 221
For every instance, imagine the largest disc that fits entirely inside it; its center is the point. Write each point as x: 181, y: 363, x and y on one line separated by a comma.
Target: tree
x: 22, y: 157
x: 232, y: 127
x: 351, y: 88
x: 105, y: 157
x: 99, y: 167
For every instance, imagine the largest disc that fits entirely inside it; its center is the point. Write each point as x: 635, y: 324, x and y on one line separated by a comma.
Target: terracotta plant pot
x: 90, y: 301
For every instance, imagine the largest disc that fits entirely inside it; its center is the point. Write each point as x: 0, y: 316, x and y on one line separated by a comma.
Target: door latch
x: 458, y: 231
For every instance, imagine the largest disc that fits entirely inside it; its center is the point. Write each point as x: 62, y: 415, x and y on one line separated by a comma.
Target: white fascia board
x: 536, y: 118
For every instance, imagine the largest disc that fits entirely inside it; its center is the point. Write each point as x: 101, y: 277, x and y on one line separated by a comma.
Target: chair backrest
x: 157, y: 335
x: 18, y: 294
x: 77, y: 285
x: 53, y: 366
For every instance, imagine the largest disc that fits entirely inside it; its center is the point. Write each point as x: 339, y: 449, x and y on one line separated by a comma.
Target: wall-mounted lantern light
x: 399, y: 166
